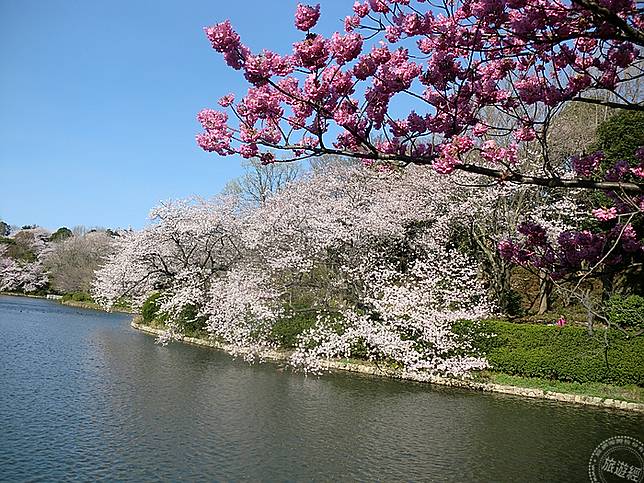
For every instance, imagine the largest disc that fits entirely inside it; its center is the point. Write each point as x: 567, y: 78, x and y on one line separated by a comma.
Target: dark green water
x: 85, y: 397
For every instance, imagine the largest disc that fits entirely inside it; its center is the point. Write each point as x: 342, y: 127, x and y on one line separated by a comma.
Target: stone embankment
x: 375, y: 370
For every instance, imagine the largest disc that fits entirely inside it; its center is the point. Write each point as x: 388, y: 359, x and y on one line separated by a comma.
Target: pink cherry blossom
x: 605, y: 214
x: 361, y: 9
x: 345, y: 48
x: 312, y: 52
x: 638, y: 171
x: 306, y: 16
x: 227, y: 100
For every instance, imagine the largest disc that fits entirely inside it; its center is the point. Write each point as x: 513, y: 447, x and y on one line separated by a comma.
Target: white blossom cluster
x: 25, y: 275
x: 367, y: 254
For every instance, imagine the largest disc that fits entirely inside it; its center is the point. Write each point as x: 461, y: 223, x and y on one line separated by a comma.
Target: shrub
x: 286, y: 331
x: 61, y: 234
x: 81, y: 297
x: 77, y: 297
x: 627, y: 312
x: 189, y: 320
x: 150, y: 308
x: 563, y: 353
x: 193, y: 325
x: 513, y: 303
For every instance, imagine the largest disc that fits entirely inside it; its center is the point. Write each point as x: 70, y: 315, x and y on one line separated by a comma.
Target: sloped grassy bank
x: 505, y: 349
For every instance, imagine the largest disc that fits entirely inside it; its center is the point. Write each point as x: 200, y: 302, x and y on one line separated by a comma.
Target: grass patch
x: 630, y: 393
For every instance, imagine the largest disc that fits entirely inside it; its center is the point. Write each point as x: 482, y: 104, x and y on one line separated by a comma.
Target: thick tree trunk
x: 607, y: 279
x: 545, y: 290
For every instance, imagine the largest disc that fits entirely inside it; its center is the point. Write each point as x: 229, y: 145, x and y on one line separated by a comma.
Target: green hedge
x: 77, y: 297
x: 563, y: 353
x: 626, y: 311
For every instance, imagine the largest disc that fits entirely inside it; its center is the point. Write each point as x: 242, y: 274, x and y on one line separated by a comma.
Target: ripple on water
x: 83, y: 396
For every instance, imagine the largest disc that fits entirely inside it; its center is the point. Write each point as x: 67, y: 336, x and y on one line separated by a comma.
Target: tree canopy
x: 454, y: 62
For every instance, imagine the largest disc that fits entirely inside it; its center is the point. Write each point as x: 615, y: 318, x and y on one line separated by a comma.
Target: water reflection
x: 83, y: 396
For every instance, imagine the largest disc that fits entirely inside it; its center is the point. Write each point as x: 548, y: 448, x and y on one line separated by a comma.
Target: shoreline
x: 70, y: 303
x: 92, y: 306
x: 374, y: 370
x: 13, y: 294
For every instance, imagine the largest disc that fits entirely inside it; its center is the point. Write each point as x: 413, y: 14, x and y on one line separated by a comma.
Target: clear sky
x: 98, y: 102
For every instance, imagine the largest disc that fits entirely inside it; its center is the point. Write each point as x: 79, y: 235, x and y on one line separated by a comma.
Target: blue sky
x: 98, y: 102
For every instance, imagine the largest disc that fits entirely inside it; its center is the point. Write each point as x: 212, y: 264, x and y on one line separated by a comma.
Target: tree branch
x: 631, y: 188
x: 616, y: 105
x: 634, y: 35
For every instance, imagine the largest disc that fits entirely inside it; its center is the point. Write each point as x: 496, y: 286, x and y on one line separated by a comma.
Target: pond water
x: 83, y: 396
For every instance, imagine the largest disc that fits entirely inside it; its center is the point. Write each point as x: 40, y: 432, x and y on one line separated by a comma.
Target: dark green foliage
x: 189, y: 320
x: 81, y: 297
x: 61, y: 234
x: 5, y: 229
x: 150, y: 308
x: 513, y: 303
x: 626, y: 312
x: 480, y: 334
x: 286, y: 330
x: 18, y: 251
x: 621, y: 135
x: 618, y: 137
x: 193, y: 325
x: 563, y: 353
x: 78, y: 297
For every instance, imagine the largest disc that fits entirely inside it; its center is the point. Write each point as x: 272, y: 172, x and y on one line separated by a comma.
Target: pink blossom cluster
x: 409, y: 83
x: 575, y: 249
x: 306, y: 16
x: 495, y: 154
x: 518, y: 57
x: 605, y: 214
x: 217, y: 136
x: 312, y: 53
x: 345, y: 48
x: 226, y: 41
x: 449, y: 154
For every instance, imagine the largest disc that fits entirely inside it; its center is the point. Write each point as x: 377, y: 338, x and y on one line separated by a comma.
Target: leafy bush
x: 77, y: 297
x: 189, y: 320
x: 81, y: 297
x: 513, y: 304
x: 563, y: 353
x: 627, y: 312
x: 193, y: 325
x: 620, y: 136
x: 150, y: 308
x: 285, y: 331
